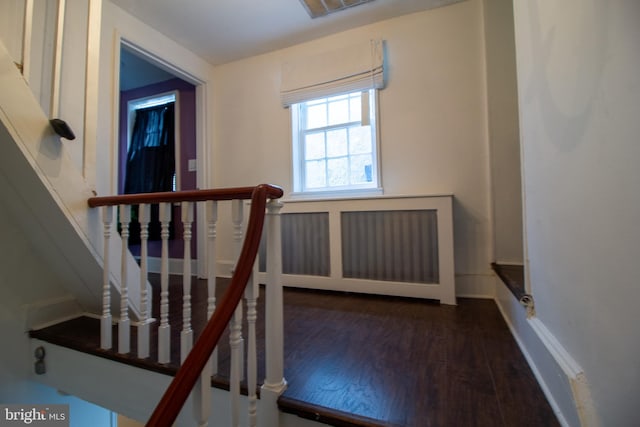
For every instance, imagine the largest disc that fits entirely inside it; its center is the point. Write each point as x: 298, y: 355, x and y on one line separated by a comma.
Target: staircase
x: 47, y: 196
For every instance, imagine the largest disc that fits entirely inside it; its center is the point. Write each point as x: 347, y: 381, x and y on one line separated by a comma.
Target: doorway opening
x: 157, y: 147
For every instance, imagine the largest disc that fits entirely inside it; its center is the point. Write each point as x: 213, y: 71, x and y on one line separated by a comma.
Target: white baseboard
x: 573, y: 371
x: 562, y: 380
x: 154, y: 265
x: 475, y: 285
x: 51, y: 311
x: 224, y: 268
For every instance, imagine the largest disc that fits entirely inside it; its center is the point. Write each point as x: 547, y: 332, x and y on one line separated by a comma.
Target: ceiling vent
x: 317, y: 8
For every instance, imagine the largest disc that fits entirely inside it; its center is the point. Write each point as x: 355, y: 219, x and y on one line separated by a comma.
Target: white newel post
x: 164, y: 333
x: 274, y: 383
x: 186, y: 336
x: 105, y: 320
x: 143, y: 327
x: 124, y: 323
x: 235, y: 331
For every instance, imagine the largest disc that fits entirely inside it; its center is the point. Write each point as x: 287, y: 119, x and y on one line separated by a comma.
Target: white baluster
x: 124, y: 323
x: 202, y: 389
x: 237, y: 215
x: 186, y: 336
x: 212, y: 219
x: 105, y: 320
x: 164, y: 330
x: 236, y: 219
x: 235, y: 331
x: 251, y: 294
x: 274, y: 383
x: 235, y: 341
x: 201, y: 396
x: 143, y: 328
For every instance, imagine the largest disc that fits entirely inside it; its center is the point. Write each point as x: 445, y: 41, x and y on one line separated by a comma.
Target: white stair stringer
x: 131, y: 391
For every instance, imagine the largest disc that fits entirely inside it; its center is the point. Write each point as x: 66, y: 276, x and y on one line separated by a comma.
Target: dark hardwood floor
x: 373, y: 361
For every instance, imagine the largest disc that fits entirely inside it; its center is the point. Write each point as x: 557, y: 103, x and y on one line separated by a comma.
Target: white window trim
x: 333, y: 193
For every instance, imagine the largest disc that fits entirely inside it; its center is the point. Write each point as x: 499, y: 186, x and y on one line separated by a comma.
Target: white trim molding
x: 561, y: 378
x: 175, y: 265
x: 574, y: 373
x: 51, y: 311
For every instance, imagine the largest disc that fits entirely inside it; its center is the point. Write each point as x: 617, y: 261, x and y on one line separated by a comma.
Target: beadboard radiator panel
x: 393, y: 246
x: 400, y: 246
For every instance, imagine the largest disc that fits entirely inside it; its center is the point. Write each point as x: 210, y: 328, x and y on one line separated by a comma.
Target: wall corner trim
x: 575, y: 375
x: 560, y: 377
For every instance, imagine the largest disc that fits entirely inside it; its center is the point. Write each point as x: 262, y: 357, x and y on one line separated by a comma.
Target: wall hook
x: 62, y: 128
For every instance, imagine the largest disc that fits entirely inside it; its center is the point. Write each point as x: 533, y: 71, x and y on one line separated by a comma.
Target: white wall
x: 504, y: 138
x: 11, y: 25
x: 432, y: 122
x: 579, y: 90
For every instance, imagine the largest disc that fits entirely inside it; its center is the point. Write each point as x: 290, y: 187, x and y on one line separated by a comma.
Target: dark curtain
x: 151, y: 155
x: 150, y: 162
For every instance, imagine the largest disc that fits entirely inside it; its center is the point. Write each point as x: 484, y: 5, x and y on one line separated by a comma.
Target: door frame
x: 167, y: 63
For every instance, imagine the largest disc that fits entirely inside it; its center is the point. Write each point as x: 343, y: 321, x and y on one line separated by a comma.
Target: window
x: 142, y: 104
x: 335, y: 143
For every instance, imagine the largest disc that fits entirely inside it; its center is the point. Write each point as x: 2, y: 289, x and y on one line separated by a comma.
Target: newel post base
x: 269, y: 412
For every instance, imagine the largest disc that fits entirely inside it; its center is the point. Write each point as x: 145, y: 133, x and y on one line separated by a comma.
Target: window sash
x: 301, y: 180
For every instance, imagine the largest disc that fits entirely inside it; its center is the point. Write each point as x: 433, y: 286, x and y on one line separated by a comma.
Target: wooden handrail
x: 235, y: 193
x: 178, y: 391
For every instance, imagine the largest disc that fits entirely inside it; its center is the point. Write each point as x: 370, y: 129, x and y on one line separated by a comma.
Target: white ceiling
x: 221, y: 31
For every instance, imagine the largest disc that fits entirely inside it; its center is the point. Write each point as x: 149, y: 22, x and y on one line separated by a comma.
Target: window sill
x: 336, y: 194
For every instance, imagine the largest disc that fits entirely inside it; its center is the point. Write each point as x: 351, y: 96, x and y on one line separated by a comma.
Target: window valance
x: 358, y: 67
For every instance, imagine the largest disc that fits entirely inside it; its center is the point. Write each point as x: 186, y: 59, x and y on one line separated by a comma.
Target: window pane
x: 339, y: 112
x: 314, y: 146
x: 333, y: 151
x: 337, y: 169
x: 337, y: 143
x: 315, y: 172
x: 360, y: 140
x: 361, y: 169
x: 355, y: 106
x: 316, y: 116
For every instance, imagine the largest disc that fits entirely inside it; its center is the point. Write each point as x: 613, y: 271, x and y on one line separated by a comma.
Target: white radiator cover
x: 401, y: 246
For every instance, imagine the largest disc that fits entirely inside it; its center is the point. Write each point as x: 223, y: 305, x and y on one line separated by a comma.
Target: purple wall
x: 188, y: 181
